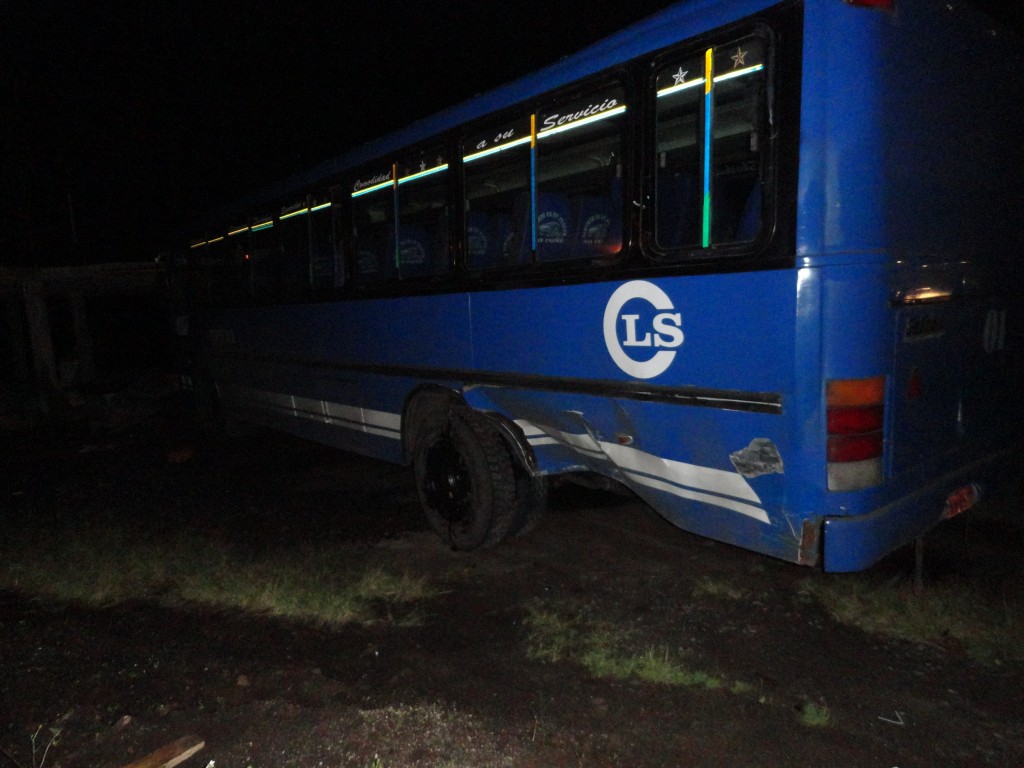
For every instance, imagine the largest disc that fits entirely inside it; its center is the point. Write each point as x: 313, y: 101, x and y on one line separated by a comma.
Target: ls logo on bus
x: 632, y: 331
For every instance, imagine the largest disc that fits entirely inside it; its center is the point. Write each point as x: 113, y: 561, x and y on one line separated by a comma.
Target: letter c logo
x: 666, y: 331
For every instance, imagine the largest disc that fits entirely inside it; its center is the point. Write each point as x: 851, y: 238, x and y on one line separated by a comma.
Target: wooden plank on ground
x: 171, y: 754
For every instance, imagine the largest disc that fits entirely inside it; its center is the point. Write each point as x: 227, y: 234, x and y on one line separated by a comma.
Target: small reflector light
x: 961, y: 500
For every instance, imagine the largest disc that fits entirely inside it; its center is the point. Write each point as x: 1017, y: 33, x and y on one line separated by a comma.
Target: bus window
x: 496, y: 168
x: 373, y: 225
x: 197, y: 279
x: 739, y: 94
x: 324, y: 273
x: 677, y: 200
x: 579, y: 178
x: 422, y: 216
x: 264, y: 259
x: 293, y: 232
x: 709, y: 140
x: 230, y: 281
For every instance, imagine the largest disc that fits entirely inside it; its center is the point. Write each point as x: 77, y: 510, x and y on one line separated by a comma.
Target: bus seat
x: 505, y: 239
x: 736, y: 210
x: 367, y: 261
x: 375, y: 259
x: 415, y: 251
x: 599, y: 228
x: 554, y: 227
x: 517, y: 245
x: 677, y: 211
x: 480, y: 245
x: 750, y: 219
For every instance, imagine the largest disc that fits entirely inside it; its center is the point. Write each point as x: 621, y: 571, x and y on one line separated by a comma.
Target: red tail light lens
x: 846, y: 421
x: 842, y: 448
x: 855, y: 420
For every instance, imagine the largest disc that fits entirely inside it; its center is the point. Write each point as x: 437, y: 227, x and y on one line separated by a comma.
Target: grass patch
x: 554, y: 634
x: 990, y: 630
x: 105, y: 565
x: 707, y: 586
x: 815, y: 715
x: 41, y: 745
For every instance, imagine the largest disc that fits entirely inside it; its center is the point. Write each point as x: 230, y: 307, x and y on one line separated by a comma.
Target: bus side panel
x: 718, y: 468
x: 736, y: 331
x: 337, y: 372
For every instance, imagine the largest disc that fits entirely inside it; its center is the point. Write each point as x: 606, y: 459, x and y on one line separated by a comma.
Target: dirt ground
x: 457, y: 686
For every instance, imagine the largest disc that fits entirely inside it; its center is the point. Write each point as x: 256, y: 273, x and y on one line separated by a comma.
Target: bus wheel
x: 465, y: 478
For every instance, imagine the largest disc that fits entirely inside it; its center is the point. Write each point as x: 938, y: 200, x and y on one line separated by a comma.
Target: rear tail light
x: 855, y: 419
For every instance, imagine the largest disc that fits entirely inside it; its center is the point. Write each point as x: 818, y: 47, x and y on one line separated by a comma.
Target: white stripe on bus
x: 693, y: 475
x: 690, y: 481
x: 719, y: 501
x: 382, y: 423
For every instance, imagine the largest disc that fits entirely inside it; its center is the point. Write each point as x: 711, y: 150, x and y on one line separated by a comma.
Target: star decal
x: 738, y: 58
x: 680, y: 76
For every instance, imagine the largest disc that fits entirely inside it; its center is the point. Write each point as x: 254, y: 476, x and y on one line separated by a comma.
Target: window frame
x: 714, y: 253
x: 619, y: 78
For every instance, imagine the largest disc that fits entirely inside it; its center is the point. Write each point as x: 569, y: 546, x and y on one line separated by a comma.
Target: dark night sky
x: 127, y: 122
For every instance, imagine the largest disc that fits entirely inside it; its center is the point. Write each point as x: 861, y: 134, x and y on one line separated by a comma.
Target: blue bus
x: 759, y: 262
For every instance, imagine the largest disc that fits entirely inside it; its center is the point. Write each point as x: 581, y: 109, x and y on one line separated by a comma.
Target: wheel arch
x: 422, y: 402
x: 429, y: 399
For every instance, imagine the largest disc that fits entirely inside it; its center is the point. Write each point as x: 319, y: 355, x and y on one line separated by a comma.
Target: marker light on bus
x: 925, y: 294
x: 855, y: 417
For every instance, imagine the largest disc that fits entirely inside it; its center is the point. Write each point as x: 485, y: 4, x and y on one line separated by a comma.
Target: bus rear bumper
x: 857, y: 542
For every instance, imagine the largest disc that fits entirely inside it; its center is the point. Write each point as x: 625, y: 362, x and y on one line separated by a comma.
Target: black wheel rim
x: 447, y: 484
